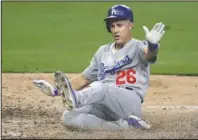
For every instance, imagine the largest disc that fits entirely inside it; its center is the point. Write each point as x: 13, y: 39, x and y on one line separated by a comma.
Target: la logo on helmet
x: 113, y: 12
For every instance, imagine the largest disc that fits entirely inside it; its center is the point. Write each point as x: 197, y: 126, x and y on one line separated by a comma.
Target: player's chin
x: 119, y: 41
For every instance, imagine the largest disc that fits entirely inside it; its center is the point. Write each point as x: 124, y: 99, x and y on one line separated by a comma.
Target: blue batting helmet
x: 119, y: 12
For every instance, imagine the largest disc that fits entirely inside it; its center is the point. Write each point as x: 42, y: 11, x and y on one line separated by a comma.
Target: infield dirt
x: 28, y: 113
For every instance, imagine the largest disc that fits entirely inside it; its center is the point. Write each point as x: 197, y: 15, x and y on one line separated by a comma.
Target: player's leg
x: 92, y: 117
x: 121, y: 101
x: 126, y: 104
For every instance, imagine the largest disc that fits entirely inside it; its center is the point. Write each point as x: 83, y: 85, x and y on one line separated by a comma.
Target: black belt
x: 132, y: 89
x: 126, y: 88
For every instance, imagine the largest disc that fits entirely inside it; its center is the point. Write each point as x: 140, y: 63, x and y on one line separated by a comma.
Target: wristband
x: 152, y: 47
x: 55, y: 92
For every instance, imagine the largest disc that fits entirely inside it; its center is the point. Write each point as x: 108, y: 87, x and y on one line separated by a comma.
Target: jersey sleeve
x: 142, y: 45
x: 91, y: 72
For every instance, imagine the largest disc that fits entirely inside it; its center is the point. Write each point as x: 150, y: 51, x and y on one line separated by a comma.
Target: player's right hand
x: 155, y: 35
x: 45, y: 87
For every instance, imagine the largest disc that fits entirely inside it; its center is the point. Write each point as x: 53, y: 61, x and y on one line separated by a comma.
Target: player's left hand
x: 45, y: 87
x: 155, y: 35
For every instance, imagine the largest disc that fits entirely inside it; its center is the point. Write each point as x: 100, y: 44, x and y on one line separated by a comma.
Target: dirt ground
x: 171, y: 106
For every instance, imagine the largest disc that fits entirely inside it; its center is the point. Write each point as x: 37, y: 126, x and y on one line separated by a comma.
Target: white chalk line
x: 172, y: 107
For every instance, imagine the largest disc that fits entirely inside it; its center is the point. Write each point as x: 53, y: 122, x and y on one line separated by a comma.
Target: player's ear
x: 131, y: 25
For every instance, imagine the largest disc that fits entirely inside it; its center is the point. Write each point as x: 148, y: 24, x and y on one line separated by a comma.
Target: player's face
x: 121, y: 31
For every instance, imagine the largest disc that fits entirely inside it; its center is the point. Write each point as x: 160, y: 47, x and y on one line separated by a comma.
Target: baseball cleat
x: 63, y: 85
x: 137, y: 122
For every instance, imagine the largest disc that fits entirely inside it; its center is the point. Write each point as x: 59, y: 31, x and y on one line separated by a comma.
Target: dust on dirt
x: 28, y: 113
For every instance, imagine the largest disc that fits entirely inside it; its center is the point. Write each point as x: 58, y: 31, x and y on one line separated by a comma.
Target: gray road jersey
x: 124, y: 67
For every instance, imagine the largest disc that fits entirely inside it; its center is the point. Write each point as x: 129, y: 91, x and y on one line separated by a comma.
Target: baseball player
x: 108, y: 94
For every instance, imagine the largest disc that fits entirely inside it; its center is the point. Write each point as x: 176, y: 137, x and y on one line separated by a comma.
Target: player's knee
x: 66, y: 117
x: 70, y: 119
x: 96, y: 86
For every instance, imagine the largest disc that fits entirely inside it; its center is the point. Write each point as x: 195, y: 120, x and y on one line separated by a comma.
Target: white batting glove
x: 46, y: 87
x: 155, y: 35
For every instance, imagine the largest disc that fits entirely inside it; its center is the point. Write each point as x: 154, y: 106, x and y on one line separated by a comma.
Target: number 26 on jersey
x: 126, y: 76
